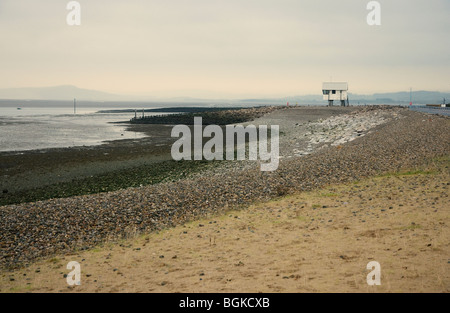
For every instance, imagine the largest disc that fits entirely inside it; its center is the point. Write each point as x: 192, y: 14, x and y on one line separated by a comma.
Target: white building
x: 335, y: 91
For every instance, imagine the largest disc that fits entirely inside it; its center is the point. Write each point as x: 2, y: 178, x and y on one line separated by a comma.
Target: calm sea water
x: 37, y: 126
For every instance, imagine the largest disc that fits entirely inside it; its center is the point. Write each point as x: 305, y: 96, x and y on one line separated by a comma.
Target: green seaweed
x: 134, y: 177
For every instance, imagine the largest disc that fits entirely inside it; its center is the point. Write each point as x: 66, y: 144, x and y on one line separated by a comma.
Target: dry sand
x: 318, y: 241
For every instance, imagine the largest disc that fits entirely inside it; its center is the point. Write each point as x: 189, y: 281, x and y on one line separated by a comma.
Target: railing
x: 432, y: 110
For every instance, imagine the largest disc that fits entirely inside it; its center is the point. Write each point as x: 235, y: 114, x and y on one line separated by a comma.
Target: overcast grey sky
x: 225, y: 48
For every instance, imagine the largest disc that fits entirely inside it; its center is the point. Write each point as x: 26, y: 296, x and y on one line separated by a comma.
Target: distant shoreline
x: 186, y: 109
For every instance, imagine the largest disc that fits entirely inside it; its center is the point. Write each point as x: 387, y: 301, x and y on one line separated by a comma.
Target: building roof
x: 335, y: 86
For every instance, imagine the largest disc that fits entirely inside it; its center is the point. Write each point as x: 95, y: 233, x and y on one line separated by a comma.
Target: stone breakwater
x: 338, y: 130
x: 219, y: 117
x: 34, y: 230
x: 303, y: 139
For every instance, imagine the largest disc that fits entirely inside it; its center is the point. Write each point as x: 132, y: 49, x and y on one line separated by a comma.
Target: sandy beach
x: 346, y: 192
x: 318, y: 241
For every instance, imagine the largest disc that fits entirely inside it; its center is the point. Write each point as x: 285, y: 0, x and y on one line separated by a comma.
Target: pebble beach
x: 317, y: 150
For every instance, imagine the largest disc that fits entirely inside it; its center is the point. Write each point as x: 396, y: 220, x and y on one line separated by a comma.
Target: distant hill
x: 418, y: 97
x: 65, y: 92
x: 68, y: 92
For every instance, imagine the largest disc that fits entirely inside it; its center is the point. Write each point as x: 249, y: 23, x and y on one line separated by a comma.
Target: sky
x: 225, y: 48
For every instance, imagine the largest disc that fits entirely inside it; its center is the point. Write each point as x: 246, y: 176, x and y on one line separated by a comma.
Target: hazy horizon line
x: 150, y: 97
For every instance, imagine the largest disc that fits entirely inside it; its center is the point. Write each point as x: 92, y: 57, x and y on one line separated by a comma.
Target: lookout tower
x: 335, y: 91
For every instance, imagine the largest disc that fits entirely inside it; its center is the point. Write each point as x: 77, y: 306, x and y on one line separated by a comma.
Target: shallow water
x: 29, y: 132
x: 26, y: 127
x: 30, y: 125
x: 440, y: 111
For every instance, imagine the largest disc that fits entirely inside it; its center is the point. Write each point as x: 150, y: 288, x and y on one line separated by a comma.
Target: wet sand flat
x: 30, y: 169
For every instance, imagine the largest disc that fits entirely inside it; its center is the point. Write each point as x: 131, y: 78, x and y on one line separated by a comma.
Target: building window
x: 326, y: 92
x: 333, y: 92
